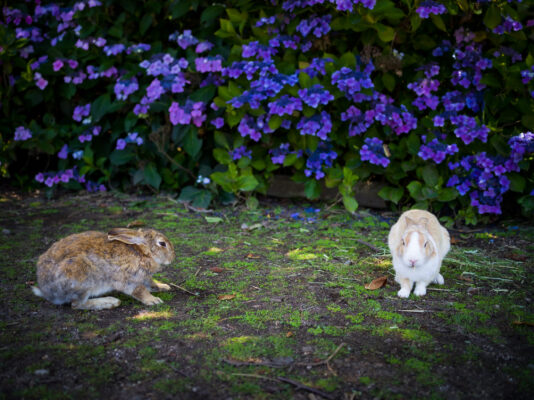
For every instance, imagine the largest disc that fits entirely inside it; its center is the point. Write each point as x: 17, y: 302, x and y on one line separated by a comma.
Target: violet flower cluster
x: 254, y: 127
x: 190, y: 113
x: 429, y: 7
x: 318, y: 125
x: 437, y: 151
x: 240, y: 152
x: 323, y: 156
x: 132, y: 137
x: 373, y: 151
x: 483, y: 178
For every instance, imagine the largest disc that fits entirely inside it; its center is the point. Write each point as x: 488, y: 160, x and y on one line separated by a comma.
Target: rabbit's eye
x: 403, y: 243
x: 162, y: 244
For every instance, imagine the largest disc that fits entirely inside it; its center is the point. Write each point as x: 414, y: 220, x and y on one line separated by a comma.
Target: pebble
x: 41, y: 372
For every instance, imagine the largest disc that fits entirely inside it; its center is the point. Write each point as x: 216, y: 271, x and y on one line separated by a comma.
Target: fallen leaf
x: 89, y: 335
x: 516, y: 257
x: 217, y: 269
x: 527, y: 323
x: 454, y: 240
x: 246, y: 227
x: 226, y: 296
x: 136, y: 224
x: 377, y: 283
x: 289, y: 334
x: 250, y: 255
x: 213, y: 220
x: 465, y: 278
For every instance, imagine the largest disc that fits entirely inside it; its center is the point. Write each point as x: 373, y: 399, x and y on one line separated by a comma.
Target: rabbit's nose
x: 412, y: 262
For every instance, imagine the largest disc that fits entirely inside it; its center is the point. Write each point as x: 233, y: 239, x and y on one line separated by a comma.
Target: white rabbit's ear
x: 128, y: 236
x: 410, y: 221
x: 423, y: 222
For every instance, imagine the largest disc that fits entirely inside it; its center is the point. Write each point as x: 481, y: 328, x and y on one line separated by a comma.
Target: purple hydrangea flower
x: 318, y: 125
x: 64, y: 152
x: 240, y: 152
x: 315, y: 95
x: 373, y: 151
x: 22, y: 134
x: 218, y: 122
x: 428, y: 7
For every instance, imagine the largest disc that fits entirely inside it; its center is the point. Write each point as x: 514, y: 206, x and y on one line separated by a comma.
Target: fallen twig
x: 415, y: 311
x: 183, y: 289
x: 301, y: 386
x: 255, y: 364
x: 325, y: 361
x: 372, y: 246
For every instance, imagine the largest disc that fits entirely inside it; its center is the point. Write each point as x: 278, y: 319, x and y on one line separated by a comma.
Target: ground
x: 281, y: 309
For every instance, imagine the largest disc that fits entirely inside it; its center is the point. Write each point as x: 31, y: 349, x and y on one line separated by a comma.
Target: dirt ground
x: 276, y: 307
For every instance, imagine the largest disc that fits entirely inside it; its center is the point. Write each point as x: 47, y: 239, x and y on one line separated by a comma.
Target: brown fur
x: 81, y: 265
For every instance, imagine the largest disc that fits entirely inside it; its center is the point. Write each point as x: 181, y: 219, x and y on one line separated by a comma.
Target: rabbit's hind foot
x: 100, y: 303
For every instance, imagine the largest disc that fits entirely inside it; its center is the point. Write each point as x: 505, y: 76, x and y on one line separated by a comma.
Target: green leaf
x: 213, y: 220
x: 430, y: 175
x: 88, y: 155
x: 220, y: 139
x: 312, y: 189
x: 447, y: 194
x: 415, y: 188
x: 145, y: 23
x: 222, y: 156
x: 130, y: 121
x: 210, y: 14
x: 350, y: 203
x: 392, y: 194
x: 528, y: 121
x: 517, y: 182
x: 192, y: 144
x: 179, y: 8
x: 200, y: 198
x: 413, y: 143
x: 100, y: 107
x: 290, y: 159
x: 385, y: 33
x: 438, y: 21
x: 188, y: 193
x: 348, y: 60
x: 305, y: 80
x: 120, y: 157
x: 492, y: 17
x: 247, y: 183
x: 252, y: 203
x: 152, y: 176
x: 275, y: 121
x: 429, y: 193
x: 204, y: 94
x: 389, y: 81
x: 226, y: 26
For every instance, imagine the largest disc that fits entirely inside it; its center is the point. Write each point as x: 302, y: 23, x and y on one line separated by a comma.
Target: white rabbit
x: 418, y: 244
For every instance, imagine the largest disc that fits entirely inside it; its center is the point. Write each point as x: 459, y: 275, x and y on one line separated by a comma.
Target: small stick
x: 198, y: 270
x: 415, y: 311
x: 326, y: 361
x: 253, y: 364
x: 377, y: 249
x: 184, y: 289
x: 301, y: 386
x: 267, y: 378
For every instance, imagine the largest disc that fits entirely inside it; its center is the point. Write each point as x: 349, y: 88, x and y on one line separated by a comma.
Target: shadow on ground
x: 281, y: 312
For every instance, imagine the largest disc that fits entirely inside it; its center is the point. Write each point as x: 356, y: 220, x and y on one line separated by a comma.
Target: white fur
x: 414, y: 266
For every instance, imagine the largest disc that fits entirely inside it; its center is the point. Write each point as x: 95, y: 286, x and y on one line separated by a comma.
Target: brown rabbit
x: 89, y: 264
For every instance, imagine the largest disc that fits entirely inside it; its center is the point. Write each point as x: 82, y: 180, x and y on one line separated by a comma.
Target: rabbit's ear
x: 128, y: 236
x: 410, y: 222
x: 423, y: 222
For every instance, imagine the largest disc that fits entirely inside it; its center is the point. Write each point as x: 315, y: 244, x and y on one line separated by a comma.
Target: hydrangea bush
x: 433, y: 99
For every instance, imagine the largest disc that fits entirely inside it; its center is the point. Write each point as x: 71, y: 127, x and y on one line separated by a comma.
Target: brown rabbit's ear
x: 128, y: 236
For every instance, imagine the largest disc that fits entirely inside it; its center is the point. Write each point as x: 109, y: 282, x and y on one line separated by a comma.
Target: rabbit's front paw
x: 159, y: 286
x: 439, y: 279
x: 404, y: 293
x: 152, y: 300
x: 420, y: 290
